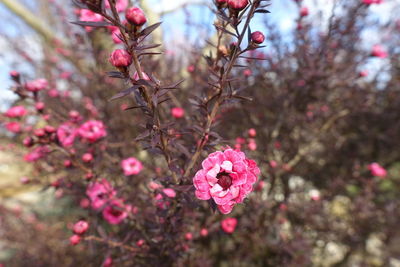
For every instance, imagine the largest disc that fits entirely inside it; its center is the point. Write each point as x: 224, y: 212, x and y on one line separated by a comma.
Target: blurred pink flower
x: 92, y: 130
x: 229, y: 225
x: 378, y: 51
x: 88, y: 15
x: 66, y: 134
x: 36, y: 85
x: 226, y: 177
x: 81, y: 227
x: 177, y: 112
x: 14, y: 127
x: 115, y: 212
x: 99, y: 193
x: 131, y: 166
x: 15, y: 112
x: 377, y: 170
x: 121, y: 5
x: 37, y: 153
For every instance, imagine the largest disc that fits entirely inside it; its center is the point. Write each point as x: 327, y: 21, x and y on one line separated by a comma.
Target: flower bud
x: 75, y: 240
x: 81, y: 227
x: 238, y: 5
x: 120, y: 58
x: 257, y: 37
x: 135, y: 16
x: 304, y: 12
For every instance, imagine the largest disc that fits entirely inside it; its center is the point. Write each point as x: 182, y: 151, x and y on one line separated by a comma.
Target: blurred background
x: 325, y: 108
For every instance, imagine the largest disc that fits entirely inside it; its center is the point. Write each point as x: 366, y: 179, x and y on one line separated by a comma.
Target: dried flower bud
x: 120, y: 58
x: 135, y: 16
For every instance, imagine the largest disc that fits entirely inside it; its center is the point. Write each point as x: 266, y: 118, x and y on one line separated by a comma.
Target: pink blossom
x: 252, y: 132
x: 131, y: 166
x: 226, y: 177
x: 92, y: 130
x: 36, y: 85
x: 66, y: 134
x: 88, y: 15
x: 115, y: 212
x: 15, y: 112
x: 378, y: 51
x: 37, y: 153
x: 14, y: 127
x: 81, y: 227
x: 121, y: 5
x: 75, y: 240
x: 136, y: 76
x: 154, y: 185
x: 169, y: 192
x: 99, y: 193
x: 229, y: 225
x: 115, y: 33
x: 204, y: 232
x: 108, y: 262
x: 377, y: 170
x: 252, y: 145
x: 304, y: 12
x: 189, y: 236
x: 87, y: 157
x: 177, y: 112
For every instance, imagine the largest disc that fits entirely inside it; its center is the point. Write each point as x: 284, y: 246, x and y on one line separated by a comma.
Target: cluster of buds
x: 79, y: 229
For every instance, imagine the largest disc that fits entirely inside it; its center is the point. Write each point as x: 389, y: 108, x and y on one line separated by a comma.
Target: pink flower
x: 169, y: 192
x: 136, y: 76
x: 377, y: 170
x: 204, y: 232
x: 363, y: 73
x: 178, y: 112
x: 66, y: 134
x: 121, y: 5
x: 108, y: 262
x: 88, y: 15
x: 252, y: 132
x: 378, y: 51
x: 115, y: 212
x: 75, y: 240
x: 37, y: 153
x: 15, y: 112
x: 115, y: 33
x: 14, y: 127
x: 229, y: 225
x: 131, y: 166
x: 81, y: 227
x: 99, y: 193
x: 257, y: 37
x: 92, y: 130
x: 36, y: 85
x: 226, y: 177
x: 87, y: 157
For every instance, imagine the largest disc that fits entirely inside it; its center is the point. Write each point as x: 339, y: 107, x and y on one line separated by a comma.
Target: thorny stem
x: 219, y: 100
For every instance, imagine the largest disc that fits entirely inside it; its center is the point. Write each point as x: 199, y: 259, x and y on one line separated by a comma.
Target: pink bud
x: 140, y: 242
x: 81, y: 227
x: 252, y: 132
x: 24, y: 180
x: 87, y: 157
x: 75, y: 240
x: 28, y: 142
x: 178, y: 112
x: 39, y: 106
x: 189, y: 236
x: 169, y: 192
x: 135, y: 16
x: 238, y: 4
x: 204, y: 232
x: 257, y: 37
x: 120, y: 58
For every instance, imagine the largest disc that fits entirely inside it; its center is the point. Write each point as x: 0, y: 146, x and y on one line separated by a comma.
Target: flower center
x: 224, y: 180
x: 116, y: 212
